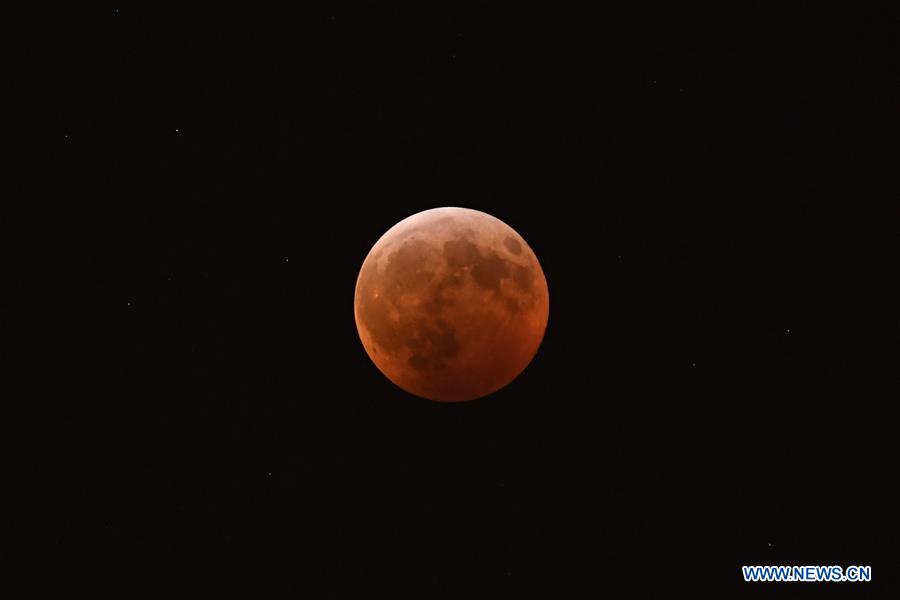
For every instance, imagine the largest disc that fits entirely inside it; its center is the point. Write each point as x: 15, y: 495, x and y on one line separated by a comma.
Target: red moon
x: 451, y: 304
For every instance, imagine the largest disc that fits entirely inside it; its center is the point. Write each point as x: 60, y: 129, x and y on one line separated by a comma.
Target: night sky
x: 197, y: 416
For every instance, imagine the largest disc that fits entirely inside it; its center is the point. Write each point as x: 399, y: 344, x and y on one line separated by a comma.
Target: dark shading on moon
x: 451, y: 304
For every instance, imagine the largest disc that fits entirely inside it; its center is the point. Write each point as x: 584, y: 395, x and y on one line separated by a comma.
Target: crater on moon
x: 451, y: 304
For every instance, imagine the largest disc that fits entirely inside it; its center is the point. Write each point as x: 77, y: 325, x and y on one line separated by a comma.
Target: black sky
x: 700, y: 184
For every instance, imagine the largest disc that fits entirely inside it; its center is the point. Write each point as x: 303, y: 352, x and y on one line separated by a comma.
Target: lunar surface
x: 451, y: 304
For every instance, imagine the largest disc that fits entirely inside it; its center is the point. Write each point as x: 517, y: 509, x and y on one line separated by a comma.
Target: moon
x: 451, y: 304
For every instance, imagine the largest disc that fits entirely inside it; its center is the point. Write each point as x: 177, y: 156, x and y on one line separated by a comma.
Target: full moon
x: 451, y: 304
